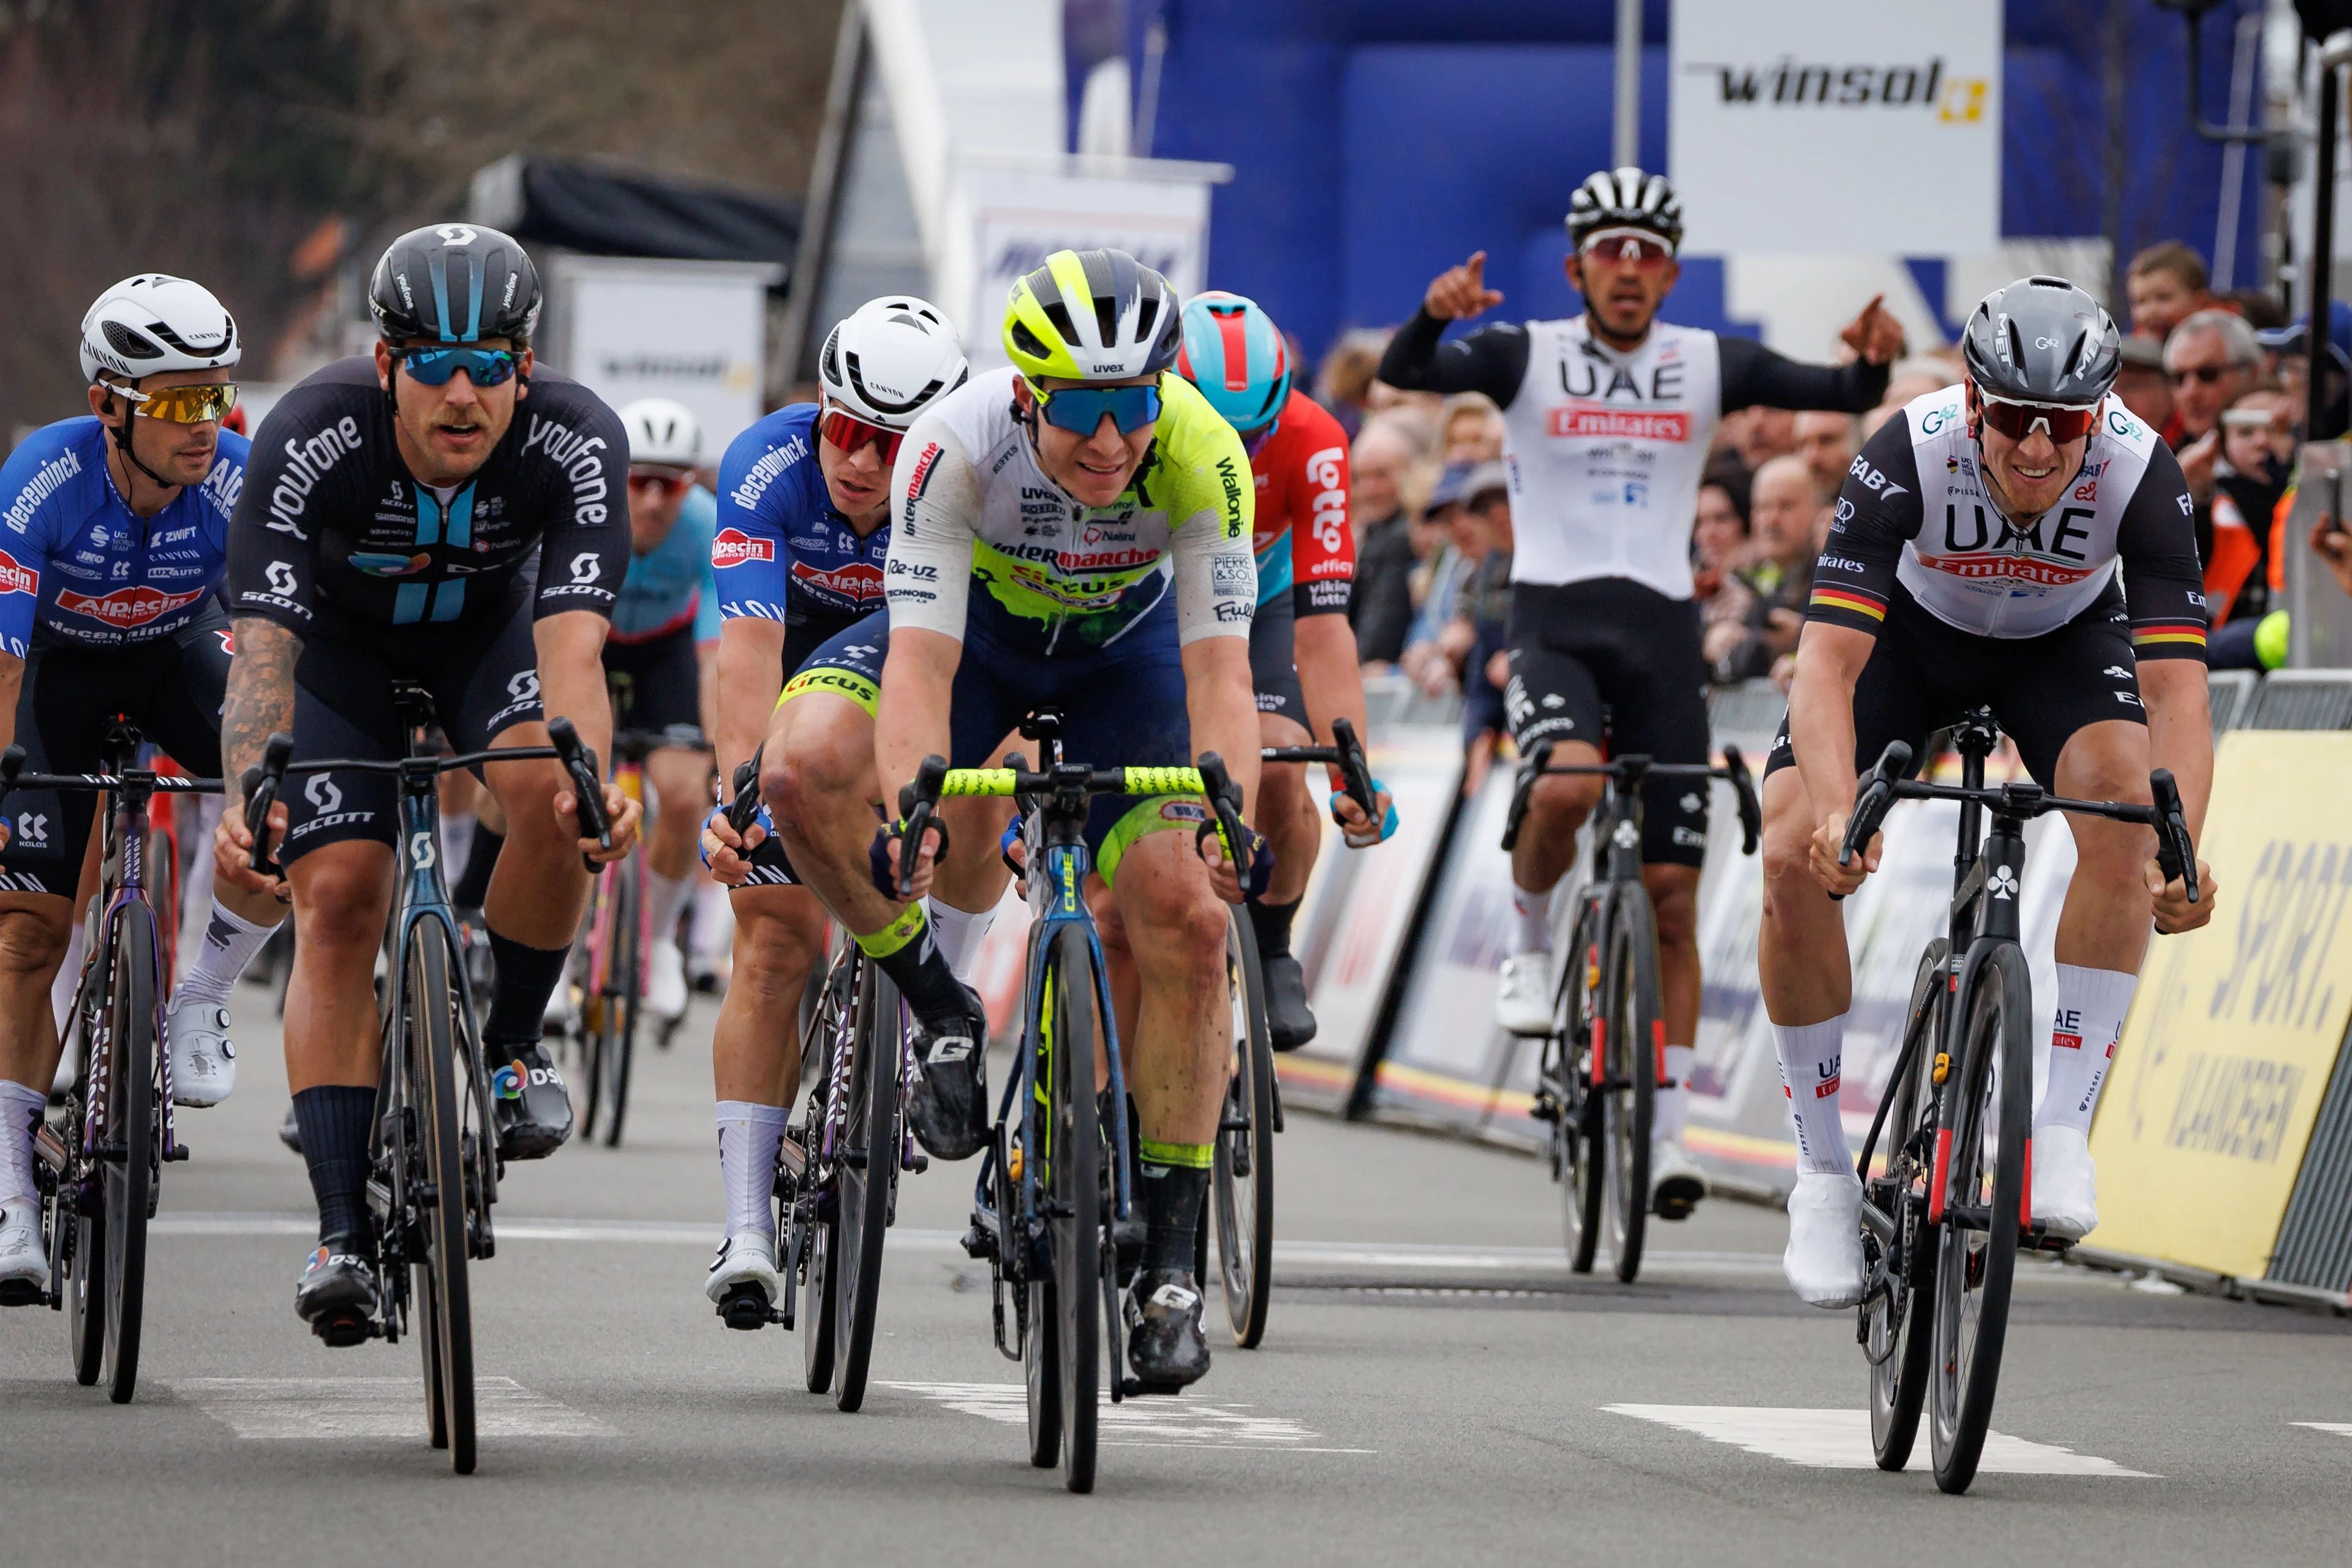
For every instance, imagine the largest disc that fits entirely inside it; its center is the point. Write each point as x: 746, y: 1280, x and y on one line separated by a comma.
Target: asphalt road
x: 1434, y: 1385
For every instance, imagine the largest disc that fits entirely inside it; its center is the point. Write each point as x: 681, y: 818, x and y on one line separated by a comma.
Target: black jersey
x: 332, y: 529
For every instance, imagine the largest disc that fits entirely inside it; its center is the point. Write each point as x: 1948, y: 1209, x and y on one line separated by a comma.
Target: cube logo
x: 733, y: 547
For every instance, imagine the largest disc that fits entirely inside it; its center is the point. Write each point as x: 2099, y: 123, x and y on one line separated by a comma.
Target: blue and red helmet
x: 1236, y: 355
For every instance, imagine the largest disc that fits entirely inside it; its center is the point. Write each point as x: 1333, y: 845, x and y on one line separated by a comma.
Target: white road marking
x: 1157, y: 1422
x: 2341, y: 1428
x: 279, y: 1408
x: 1840, y: 1439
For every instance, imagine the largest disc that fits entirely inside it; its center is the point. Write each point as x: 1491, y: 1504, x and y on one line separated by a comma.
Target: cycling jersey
x: 782, y: 551
x: 671, y: 587
x: 1046, y: 573
x: 1604, y: 448
x: 1914, y: 511
x: 334, y: 527
x: 1305, y: 547
x: 77, y: 564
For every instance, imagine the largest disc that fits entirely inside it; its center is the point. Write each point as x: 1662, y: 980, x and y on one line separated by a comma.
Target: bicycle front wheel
x: 1986, y: 1117
x: 1899, y: 1312
x: 1581, y: 1056
x: 867, y: 1175
x: 78, y: 1227
x: 132, y: 1135
x: 1068, y: 1039
x: 1636, y: 1043
x: 624, y: 981
x: 1243, y: 1170
x: 434, y: 1090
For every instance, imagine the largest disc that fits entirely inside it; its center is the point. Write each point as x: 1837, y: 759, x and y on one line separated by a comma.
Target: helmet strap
x: 122, y: 434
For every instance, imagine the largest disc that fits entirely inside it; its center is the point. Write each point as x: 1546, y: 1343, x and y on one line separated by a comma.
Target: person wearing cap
x: 1607, y: 418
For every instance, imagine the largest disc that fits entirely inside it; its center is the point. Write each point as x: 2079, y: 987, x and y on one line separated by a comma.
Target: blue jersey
x: 671, y: 586
x: 77, y: 562
x: 782, y: 551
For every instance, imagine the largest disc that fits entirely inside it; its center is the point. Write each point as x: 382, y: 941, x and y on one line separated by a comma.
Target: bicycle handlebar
x: 12, y: 777
x: 1733, y: 769
x: 744, y: 808
x: 1346, y: 752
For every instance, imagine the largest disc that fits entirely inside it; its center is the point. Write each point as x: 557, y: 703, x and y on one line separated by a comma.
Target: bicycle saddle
x: 413, y: 703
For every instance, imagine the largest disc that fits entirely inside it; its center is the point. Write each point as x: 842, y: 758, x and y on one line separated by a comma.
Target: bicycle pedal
x: 177, y: 1152
x: 978, y: 1242
x: 744, y: 1307
x: 917, y: 1163
x: 1134, y: 1388
x: 341, y: 1334
x: 24, y: 1293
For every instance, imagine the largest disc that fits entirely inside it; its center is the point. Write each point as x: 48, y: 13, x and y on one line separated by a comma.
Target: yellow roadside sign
x: 2235, y: 1028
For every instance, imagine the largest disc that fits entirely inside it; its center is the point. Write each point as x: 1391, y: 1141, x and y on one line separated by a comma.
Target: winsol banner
x: 2236, y: 1028
x: 695, y: 332
x: 1902, y: 98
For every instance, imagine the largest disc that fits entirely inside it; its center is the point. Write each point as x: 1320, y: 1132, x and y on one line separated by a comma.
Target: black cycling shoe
x: 529, y: 1104
x: 948, y: 1107
x: 1164, y: 1343
x: 1288, y: 1022
x: 336, y: 1295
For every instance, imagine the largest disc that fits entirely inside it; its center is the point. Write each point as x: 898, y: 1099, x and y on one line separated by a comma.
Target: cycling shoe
x: 1164, y: 1342
x: 1288, y: 1021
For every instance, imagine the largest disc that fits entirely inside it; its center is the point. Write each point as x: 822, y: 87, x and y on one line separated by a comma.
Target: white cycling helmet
x: 662, y: 433
x: 154, y: 322
x: 890, y: 359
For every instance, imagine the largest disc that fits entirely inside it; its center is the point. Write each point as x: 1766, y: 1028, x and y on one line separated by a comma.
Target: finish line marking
x: 2341, y: 1428
x: 1157, y: 1422
x: 1839, y: 1440
x: 281, y: 1408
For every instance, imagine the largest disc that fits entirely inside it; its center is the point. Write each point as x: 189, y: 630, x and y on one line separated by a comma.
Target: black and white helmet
x: 2041, y: 340
x: 454, y: 283
x: 663, y: 432
x: 1625, y: 198
x: 155, y: 322
x: 890, y: 359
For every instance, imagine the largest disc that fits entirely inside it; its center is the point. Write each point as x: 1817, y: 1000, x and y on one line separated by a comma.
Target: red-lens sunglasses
x: 848, y: 432
x: 1616, y: 247
x: 2019, y: 420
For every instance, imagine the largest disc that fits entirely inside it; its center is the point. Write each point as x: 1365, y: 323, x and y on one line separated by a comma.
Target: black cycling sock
x: 1175, y: 1177
x: 333, y: 1121
x: 481, y: 858
x: 913, y: 961
x: 526, y: 978
x: 1272, y: 922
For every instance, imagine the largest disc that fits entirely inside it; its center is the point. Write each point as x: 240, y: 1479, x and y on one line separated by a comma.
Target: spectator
x: 1870, y: 421
x: 1916, y: 377
x: 2260, y: 307
x: 1343, y: 381
x: 1826, y: 440
x: 1380, y: 610
x: 1483, y: 610
x: 2288, y: 351
x: 2247, y: 482
x: 1758, y: 434
x: 2211, y: 358
x: 1784, y: 511
x: 2141, y: 387
x: 2166, y: 284
x: 1451, y: 550
x: 1470, y: 429
x: 1718, y: 549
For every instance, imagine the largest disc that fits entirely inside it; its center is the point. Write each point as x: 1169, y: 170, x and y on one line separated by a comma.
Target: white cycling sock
x: 230, y: 941
x: 748, y: 1136
x: 1672, y: 1112
x: 714, y: 930
x: 18, y: 1106
x: 665, y: 896
x: 1810, y: 1056
x: 1533, y: 913
x: 2090, y: 1007
x: 959, y: 933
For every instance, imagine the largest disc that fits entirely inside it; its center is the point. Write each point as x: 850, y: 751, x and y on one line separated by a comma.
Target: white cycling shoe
x: 562, y: 1013
x: 1823, y: 1261
x: 2065, y: 1184
x: 665, y: 992
x: 1523, y: 1003
x: 24, y: 1266
x: 203, y: 1060
x: 742, y: 1282
x: 1676, y: 1183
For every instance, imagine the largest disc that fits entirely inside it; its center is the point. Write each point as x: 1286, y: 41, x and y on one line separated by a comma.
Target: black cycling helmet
x: 454, y: 283
x: 2041, y: 340
x: 1625, y: 198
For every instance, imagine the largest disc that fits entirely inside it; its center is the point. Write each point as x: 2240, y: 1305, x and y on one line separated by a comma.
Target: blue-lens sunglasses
x: 1080, y: 409
x: 483, y: 367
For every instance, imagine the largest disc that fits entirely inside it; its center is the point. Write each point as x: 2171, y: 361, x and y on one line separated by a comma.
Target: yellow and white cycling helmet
x: 1092, y: 315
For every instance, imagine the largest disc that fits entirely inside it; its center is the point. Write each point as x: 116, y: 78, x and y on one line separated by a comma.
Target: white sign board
x: 1837, y: 126
x: 696, y: 331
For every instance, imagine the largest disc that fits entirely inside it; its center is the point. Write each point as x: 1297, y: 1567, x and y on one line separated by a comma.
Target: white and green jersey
x: 1047, y: 573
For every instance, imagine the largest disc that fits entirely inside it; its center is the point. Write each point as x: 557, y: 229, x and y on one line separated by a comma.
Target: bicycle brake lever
x: 2176, y: 854
x: 587, y: 788
x: 745, y: 806
x: 1752, y: 812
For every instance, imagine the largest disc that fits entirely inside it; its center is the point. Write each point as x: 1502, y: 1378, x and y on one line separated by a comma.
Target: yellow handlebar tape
x: 1139, y: 781
x: 978, y: 781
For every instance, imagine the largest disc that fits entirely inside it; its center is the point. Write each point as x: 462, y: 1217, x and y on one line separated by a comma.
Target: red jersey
x: 1303, y: 543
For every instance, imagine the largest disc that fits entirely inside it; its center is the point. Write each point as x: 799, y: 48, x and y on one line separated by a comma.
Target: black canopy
x: 601, y: 209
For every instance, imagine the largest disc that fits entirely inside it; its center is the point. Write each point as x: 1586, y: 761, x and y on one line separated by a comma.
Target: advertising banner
x: 2236, y: 1028
x: 696, y: 331
x: 1901, y: 97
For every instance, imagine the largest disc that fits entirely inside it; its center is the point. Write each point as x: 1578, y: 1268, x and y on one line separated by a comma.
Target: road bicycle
x: 1943, y: 1221
x: 98, y: 1161
x: 1054, y: 1179
x: 434, y: 1169
x: 1604, y: 1058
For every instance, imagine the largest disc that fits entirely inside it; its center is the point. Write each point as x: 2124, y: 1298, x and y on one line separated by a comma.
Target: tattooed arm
x: 260, y: 700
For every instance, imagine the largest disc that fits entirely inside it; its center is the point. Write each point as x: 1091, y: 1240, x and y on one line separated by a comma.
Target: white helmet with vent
x: 890, y: 359
x: 154, y: 322
x: 662, y: 433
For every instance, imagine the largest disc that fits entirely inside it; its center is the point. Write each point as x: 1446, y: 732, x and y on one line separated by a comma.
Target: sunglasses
x: 658, y: 481
x: 1254, y: 441
x: 483, y: 367
x: 1080, y: 409
x: 2019, y: 420
x: 2203, y: 375
x: 1617, y: 247
x: 183, y: 404
x: 849, y: 434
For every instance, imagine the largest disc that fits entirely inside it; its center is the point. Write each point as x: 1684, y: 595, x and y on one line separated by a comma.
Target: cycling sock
x: 525, y: 978
x: 911, y: 956
x: 1175, y: 1176
x: 2090, y: 1007
x: 1271, y: 921
x: 1672, y: 1112
x: 333, y: 1119
x: 1533, y: 912
x: 748, y: 1136
x: 481, y: 857
x: 714, y: 930
x: 230, y: 941
x: 664, y: 896
x: 959, y: 932
x: 1810, y: 1057
x: 20, y: 1107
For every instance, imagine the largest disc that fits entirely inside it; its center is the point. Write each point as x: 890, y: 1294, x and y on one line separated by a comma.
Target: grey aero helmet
x: 2041, y: 340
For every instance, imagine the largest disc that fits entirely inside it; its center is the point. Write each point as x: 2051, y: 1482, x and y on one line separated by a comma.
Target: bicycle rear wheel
x: 1636, y: 1040
x: 624, y: 979
x: 79, y: 1210
x: 434, y: 1090
x: 1578, y: 1124
x: 132, y: 1134
x: 868, y: 1173
x: 1987, y: 1118
x: 1070, y: 1036
x: 1898, y: 1314
x: 1243, y: 1170
x: 821, y: 1232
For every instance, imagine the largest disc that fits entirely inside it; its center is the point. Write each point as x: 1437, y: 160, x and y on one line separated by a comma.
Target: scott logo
x: 282, y: 578
x: 420, y: 851
x: 322, y: 793
x: 587, y: 567
x: 733, y: 547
